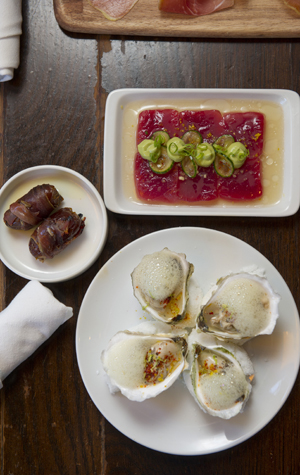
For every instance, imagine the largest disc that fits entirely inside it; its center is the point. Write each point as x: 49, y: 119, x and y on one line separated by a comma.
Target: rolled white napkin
x: 10, y: 31
x: 26, y: 323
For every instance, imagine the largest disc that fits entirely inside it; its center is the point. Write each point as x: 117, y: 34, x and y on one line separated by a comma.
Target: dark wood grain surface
x: 53, y: 113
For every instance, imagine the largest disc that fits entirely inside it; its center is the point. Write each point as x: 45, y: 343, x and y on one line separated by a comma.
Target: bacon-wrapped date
x: 55, y: 233
x: 33, y: 207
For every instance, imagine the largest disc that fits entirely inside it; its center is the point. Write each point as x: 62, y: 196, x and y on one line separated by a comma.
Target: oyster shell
x: 143, y: 362
x: 160, y: 284
x: 220, y: 375
x: 241, y: 306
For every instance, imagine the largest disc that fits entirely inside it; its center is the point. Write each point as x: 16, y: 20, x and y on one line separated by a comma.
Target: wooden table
x: 53, y: 113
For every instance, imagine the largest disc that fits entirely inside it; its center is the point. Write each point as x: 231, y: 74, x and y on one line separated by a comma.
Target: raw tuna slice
x: 149, y: 185
x: 194, y: 7
x: 113, y: 9
x: 204, y: 186
x: 245, y: 183
x: 201, y: 188
x: 152, y: 120
x: 208, y: 122
x: 152, y: 187
x: 175, y: 186
x: 248, y: 128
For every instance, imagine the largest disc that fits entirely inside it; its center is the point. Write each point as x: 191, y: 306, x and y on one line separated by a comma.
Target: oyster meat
x: 241, y: 306
x: 160, y: 284
x: 220, y: 375
x: 140, y: 364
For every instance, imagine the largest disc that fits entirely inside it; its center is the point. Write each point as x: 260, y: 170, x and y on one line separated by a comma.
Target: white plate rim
x: 102, y: 216
x: 114, y: 196
x: 80, y: 356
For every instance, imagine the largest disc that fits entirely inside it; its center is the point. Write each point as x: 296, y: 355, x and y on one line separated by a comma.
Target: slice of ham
x: 194, y: 7
x: 113, y: 9
x: 294, y: 4
x: 56, y: 233
x: 33, y: 207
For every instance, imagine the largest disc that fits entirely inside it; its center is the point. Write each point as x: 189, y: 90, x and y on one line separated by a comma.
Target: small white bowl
x: 119, y: 200
x: 80, y: 195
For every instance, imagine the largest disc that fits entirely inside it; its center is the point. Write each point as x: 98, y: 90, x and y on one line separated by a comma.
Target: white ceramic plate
x: 172, y: 422
x: 80, y: 195
x: 119, y: 193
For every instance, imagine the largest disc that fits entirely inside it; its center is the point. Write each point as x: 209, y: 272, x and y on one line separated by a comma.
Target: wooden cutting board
x: 247, y: 19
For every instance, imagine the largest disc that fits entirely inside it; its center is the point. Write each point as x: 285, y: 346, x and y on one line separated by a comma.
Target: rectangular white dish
x: 119, y: 200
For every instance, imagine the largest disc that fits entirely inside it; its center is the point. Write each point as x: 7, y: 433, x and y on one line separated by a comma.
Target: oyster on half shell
x: 220, y: 375
x: 160, y: 284
x: 241, y: 306
x: 141, y: 363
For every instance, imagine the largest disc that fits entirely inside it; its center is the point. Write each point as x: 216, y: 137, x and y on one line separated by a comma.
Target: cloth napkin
x: 10, y: 31
x: 26, y: 323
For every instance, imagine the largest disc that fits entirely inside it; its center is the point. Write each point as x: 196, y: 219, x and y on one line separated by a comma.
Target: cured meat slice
x: 113, y: 9
x: 55, y: 233
x: 194, y: 7
x: 33, y: 207
x: 15, y: 223
x: 294, y: 4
